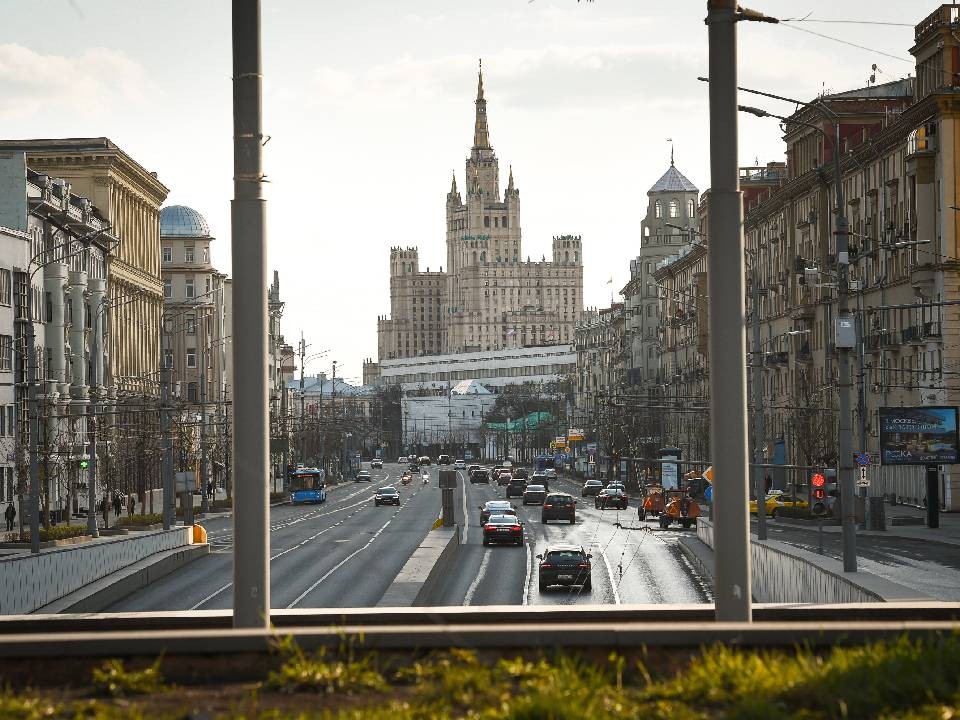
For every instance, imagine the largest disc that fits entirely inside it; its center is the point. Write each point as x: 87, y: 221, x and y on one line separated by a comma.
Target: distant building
x: 489, y: 298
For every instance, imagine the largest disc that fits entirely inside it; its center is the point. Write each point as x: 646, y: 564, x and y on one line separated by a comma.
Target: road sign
x: 863, y: 481
x: 863, y: 459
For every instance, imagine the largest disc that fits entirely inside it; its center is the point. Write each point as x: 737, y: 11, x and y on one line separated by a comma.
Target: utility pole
x: 759, y: 420
x: 728, y: 382
x: 303, y: 352
x: 333, y: 414
x: 166, y: 442
x: 95, y: 384
x: 251, y: 514
x: 204, y: 497
x: 31, y: 343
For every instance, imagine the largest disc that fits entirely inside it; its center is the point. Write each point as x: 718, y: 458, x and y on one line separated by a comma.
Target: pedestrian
x: 768, y: 484
x: 106, y: 511
x: 10, y: 514
x: 133, y: 504
x: 117, y: 504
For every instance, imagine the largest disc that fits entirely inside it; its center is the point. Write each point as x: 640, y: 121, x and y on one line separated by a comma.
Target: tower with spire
x: 488, y: 298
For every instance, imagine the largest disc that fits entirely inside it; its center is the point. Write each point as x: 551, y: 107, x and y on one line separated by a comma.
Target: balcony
x: 777, y: 359
x: 875, y: 342
x: 803, y: 312
x: 912, y: 335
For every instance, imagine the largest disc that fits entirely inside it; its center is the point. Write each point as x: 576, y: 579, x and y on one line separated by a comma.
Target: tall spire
x: 453, y: 184
x: 481, y: 134
x: 510, y: 182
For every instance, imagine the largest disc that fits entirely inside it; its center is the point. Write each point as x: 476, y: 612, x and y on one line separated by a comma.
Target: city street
x: 346, y: 552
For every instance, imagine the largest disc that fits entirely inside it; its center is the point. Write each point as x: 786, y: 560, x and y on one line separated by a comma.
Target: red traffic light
x: 818, y: 480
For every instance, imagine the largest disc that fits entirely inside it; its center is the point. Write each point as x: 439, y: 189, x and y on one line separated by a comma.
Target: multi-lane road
x: 346, y: 552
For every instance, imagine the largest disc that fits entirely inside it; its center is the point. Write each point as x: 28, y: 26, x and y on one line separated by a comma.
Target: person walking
x: 133, y: 504
x: 117, y: 504
x: 10, y: 514
x: 105, y: 506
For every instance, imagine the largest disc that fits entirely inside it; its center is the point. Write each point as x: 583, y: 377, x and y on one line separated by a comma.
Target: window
x: 206, y: 255
x: 191, y: 325
x: 168, y: 254
x: 691, y: 209
x: 5, y: 287
x: 188, y: 254
x: 167, y: 288
x: 207, y: 285
x: 674, y: 209
x: 168, y: 358
x: 10, y: 427
x: 486, y: 221
x: 191, y: 392
x: 189, y: 288
x: 191, y: 357
x: 657, y: 209
x: 6, y: 352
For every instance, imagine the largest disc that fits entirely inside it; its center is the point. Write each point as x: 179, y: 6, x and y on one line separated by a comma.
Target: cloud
x: 95, y: 82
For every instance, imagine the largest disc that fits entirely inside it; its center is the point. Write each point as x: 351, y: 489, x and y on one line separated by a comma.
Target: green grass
x: 891, y: 680
x: 140, y: 520
x: 56, y: 532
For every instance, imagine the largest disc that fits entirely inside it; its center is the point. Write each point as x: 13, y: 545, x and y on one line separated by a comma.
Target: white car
x: 460, y: 465
x: 551, y: 473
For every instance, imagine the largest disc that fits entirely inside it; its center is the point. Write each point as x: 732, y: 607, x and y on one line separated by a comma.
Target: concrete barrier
x: 28, y: 582
x: 417, y: 581
x: 781, y: 573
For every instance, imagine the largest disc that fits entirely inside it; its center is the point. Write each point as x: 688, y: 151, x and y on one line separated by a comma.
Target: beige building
x: 489, y: 298
x: 129, y: 196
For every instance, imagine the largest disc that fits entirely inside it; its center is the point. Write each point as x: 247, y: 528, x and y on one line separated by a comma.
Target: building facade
x: 489, y: 298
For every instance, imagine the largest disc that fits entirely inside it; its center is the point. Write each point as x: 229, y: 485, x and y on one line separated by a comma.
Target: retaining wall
x: 781, y: 573
x: 28, y: 582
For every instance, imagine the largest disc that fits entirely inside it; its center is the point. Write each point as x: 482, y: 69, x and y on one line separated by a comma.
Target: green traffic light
x: 84, y: 464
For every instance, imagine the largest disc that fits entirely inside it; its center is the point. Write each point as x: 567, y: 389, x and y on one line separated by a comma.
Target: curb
x: 101, y: 594
x: 699, y: 555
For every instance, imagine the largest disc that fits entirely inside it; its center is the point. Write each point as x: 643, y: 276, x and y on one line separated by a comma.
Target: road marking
x: 613, y: 585
x: 481, y: 571
x: 529, y: 576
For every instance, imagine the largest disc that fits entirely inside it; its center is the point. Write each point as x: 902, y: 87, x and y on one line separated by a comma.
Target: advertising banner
x: 918, y: 436
x: 575, y: 434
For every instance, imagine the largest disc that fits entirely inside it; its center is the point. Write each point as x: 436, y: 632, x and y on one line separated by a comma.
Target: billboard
x: 575, y: 434
x: 919, y: 436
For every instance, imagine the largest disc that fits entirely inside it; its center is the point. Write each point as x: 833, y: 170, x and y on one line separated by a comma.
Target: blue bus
x: 306, y: 486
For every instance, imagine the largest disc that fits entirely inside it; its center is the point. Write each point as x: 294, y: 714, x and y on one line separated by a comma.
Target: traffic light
x: 818, y: 496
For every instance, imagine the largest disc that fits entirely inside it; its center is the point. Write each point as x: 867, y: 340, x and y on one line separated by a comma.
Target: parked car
x: 363, y: 475
x: 459, y: 464
x: 387, y: 496
x: 591, y: 487
x: 534, y: 495
x: 559, y: 506
x: 443, y: 460
x: 496, y: 507
x: 565, y: 565
x: 376, y: 464
x: 503, y: 528
x: 516, y: 486
x: 611, y: 497
x: 479, y: 476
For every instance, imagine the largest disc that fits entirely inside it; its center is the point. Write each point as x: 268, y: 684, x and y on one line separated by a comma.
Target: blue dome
x: 181, y: 221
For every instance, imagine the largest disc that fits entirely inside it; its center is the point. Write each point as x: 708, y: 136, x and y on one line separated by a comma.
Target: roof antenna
x: 670, y: 140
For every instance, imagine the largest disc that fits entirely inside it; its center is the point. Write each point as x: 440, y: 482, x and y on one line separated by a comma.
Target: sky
x: 369, y: 107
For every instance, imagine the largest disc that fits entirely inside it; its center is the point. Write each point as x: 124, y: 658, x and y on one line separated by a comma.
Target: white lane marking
x: 340, y: 564
x: 529, y: 574
x: 481, y: 571
x: 613, y: 585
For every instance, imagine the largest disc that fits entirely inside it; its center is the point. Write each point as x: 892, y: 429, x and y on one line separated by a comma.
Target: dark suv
x: 479, y: 476
x: 565, y: 565
x: 559, y: 506
x: 516, y: 486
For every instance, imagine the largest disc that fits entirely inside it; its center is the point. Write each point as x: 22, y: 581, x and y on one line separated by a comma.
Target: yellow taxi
x: 776, y: 500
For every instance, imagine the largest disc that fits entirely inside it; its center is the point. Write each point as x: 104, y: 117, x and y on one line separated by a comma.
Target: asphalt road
x: 343, y: 553
x: 633, y: 562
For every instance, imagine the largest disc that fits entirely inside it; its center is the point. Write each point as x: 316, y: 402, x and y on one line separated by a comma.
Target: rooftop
x: 182, y: 221
x: 672, y: 181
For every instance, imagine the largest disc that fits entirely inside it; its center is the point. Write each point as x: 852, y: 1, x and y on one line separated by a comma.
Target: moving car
x: 550, y: 473
x: 479, y: 476
x: 559, y: 506
x: 414, y: 467
x: 401, y: 460
x: 611, y: 497
x: 534, y: 495
x: 363, y: 475
x: 503, y: 477
x: 565, y: 565
x: 459, y: 464
x: 376, y: 464
x: 471, y: 468
x: 496, y: 507
x: 776, y: 500
x: 516, y: 486
x: 616, y: 485
x: 443, y: 460
x: 503, y: 528
x: 519, y: 472
x: 540, y: 479
x: 387, y: 496
x: 591, y: 487
x: 424, y: 460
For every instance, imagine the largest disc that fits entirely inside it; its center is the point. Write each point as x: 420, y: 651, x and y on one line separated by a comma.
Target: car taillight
x: 489, y: 527
x: 545, y: 565
x: 547, y: 505
x: 584, y: 566
x: 516, y: 528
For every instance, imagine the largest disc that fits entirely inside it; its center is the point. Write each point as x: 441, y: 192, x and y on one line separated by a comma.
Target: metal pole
x: 848, y: 489
x: 728, y: 376
x: 204, y: 496
x: 759, y: 420
x: 861, y: 397
x: 303, y: 350
x: 251, y: 565
x: 166, y: 442
x: 34, y: 426
x: 284, y: 430
x: 92, y: 422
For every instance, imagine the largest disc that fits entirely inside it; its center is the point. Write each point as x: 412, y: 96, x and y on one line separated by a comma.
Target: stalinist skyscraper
x: 489, y: 298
